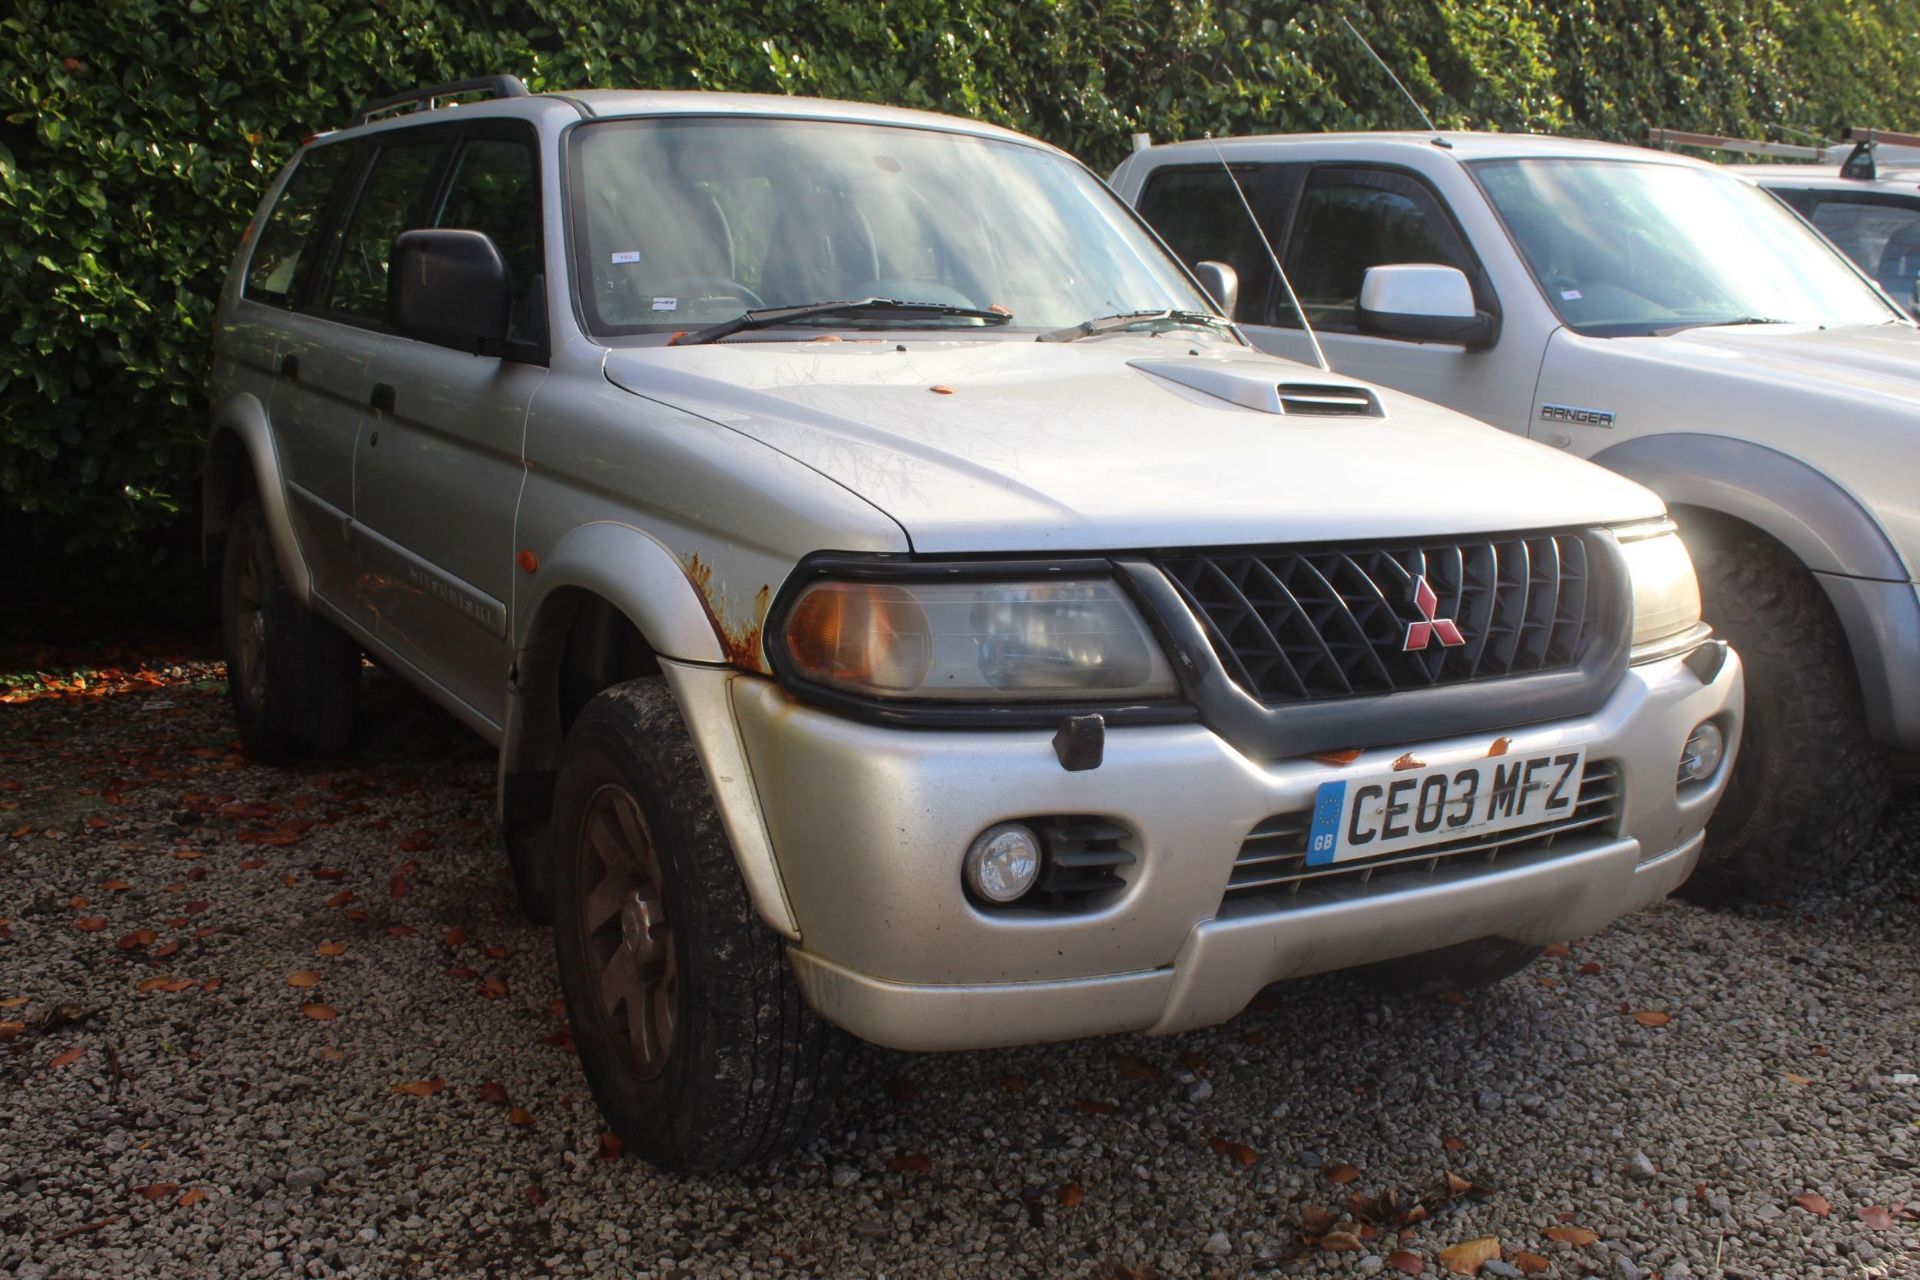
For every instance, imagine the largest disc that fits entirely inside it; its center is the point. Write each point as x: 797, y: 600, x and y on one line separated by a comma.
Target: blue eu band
x: 1325, y: 835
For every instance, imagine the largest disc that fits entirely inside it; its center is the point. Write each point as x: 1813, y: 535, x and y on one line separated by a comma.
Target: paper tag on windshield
x: 621, y: 259
x: 1571, y: 295
x: 666, y: 304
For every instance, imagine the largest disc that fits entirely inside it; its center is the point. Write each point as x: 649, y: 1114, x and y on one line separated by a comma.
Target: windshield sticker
x: 666, y: 304
x: 1571, y: 295
x: 621, y: 259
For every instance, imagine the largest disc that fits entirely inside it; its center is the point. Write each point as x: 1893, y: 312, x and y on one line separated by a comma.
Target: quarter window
x: 289, y: 242
x: 390, y: 203
x: 1883, y: 238
x: 1353, y: 219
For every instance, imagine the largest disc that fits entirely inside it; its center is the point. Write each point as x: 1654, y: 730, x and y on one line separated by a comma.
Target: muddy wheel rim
x: 623, y: 916
x: 250, y: 632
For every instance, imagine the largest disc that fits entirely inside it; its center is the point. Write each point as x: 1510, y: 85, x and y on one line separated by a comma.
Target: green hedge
x: 136, y: 136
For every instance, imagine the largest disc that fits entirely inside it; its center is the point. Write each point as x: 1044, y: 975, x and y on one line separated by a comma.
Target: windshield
x: 1623, y: 248
x: 680, y: 223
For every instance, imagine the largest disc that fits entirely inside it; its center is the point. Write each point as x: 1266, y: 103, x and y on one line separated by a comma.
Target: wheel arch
x: 240, y: 462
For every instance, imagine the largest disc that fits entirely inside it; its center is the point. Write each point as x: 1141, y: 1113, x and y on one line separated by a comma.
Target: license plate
x: 1411, y: 808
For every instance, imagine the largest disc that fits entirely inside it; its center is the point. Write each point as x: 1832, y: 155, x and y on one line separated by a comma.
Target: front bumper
x: 868, y: 824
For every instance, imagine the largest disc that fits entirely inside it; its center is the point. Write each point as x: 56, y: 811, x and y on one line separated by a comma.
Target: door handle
x: 382, y: 397
x: 290, y: 366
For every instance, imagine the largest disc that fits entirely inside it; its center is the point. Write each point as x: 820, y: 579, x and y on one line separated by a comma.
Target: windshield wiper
x: 1127, y: 319
x: 1717, y: 324
x: 770, y: 316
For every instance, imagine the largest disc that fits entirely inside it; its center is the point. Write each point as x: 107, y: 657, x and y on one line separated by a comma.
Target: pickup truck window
x: 1625, y: 248
x: 688, y: 222
x: 1353, y: 219
x: 289, y: 242
x: 1880, y: 233
x: 495, y: 189
x: 1200, y: 215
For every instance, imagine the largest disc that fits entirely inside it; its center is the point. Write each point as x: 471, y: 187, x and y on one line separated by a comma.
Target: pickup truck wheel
x: 1460, y: 967
x: 292, y: 676
x: 1809, y: 783
x: 694, y: 1038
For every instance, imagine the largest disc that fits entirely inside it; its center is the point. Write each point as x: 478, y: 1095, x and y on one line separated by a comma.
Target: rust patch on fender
x: 739, y: 638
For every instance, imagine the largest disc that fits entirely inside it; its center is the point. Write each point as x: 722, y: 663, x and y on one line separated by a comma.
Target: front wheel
x: 1809, y: 783
x: 694, y: 1038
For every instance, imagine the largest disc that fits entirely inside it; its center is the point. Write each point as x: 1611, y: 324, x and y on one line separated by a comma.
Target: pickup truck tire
x: 695, y: 1040
x: 292, y: 676
x: 1446, y: 970
x: 1809, y: 784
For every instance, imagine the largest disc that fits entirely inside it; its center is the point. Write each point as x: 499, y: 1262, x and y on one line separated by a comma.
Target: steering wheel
x: 721, y: 284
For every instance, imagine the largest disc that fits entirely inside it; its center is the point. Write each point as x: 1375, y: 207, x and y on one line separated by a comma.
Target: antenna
x: 1313, y: 340
x: 1417, y: 108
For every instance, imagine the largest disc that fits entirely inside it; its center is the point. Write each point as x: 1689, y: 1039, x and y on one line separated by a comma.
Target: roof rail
x: 1668, y: 138
x: 429, y: 98
x: 1860, y: 164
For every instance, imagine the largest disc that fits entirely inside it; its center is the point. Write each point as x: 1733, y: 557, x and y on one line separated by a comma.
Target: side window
x: 1352, y: 219
x: 390, y: 202
x: 1881, y: 237
x: 495, y: 189
x: 1199, y: 214
x: 289, y: 243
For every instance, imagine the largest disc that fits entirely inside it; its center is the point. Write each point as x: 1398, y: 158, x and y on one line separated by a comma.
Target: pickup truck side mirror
x: 449, y: 288
x: 1423, y: 303
x: 1222, y: 284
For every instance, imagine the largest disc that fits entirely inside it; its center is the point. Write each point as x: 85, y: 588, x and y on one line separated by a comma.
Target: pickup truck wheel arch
x: 241, y: 463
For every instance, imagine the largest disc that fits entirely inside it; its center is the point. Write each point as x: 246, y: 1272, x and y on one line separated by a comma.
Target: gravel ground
x: 270, y: 1023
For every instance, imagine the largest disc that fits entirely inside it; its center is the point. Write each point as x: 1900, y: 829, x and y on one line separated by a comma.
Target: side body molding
x: 243, y: 419
x: 1871, y: 589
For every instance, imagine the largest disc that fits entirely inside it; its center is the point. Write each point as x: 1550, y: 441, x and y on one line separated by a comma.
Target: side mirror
x: 1423, y: 303
x: 449, y: 288
x: 1222, y: 284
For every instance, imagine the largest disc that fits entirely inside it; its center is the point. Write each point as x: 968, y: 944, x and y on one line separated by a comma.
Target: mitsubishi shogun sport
x: 903, y: 604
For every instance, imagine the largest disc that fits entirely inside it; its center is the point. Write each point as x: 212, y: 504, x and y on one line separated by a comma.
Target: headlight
x: 984, y: 641
x: 1666, y: 595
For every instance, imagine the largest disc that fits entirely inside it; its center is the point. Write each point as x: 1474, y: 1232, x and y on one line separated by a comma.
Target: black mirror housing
x: 1482, y: 330
x: 450, y: 288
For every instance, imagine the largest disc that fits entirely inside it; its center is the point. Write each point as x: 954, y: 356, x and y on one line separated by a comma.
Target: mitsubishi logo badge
x: 1418, y: 633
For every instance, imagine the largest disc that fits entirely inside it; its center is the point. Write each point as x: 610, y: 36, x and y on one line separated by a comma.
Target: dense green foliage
x: 136, y: 135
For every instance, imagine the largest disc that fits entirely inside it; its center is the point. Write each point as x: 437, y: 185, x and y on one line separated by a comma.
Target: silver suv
x: 902, y: 602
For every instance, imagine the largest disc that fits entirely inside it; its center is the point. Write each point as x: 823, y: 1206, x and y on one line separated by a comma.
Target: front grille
x: 1271, y: 871
x: 1303, y: 624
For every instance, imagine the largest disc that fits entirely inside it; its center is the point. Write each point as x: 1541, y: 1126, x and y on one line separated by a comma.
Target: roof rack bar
x: 1665, y: 138
x: 1892, y: 139
x: 429, y: 98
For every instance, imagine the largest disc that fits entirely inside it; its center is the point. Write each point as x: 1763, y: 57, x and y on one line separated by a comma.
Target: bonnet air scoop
x: 1251, y: 385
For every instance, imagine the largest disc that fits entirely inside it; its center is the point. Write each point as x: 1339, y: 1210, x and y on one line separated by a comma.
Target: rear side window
x: 1198, y: 213
x: 1882, y: 237
x: 290, y: 241
x: 391, y: 201
x: 1353, y: 219
x: 495, y: 190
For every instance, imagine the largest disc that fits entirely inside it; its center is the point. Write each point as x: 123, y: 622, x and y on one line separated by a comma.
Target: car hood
x: 1881, y: 361
x: 1124, y: 441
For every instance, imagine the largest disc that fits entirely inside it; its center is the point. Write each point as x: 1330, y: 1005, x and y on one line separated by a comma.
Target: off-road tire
x: 749, y: 1064
x: 1809, y: 783
x: 305, y: 672
x: 531, y: 861
x: 1446, y: 970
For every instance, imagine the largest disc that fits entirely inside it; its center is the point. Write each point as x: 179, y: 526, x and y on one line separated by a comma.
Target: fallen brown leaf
x: 68, y: 1057
x: 1590, y: 968
x: 191, y: 1197
x: 1340, y: 1174
x: 1094, y: 1108
x: 1315, y: 1219
x: 1408, y: 1264
x: 115, y: 886
x: 1131, y: 1068
x: 341, y: 898
x: 401, y: 931
x: 1652, y: 1018
x: 319, y: 1012
x: 536, y: 1195
x: 302, y: 978
x: 155, y: 1190
x: 911, y: 1162
x: 519, y: 1116
x: 1453, y: 1144
x: 135, y: 940
x: 1341, y: 1242
x: 1242, y: 1154
x: 421, y: 1088
x: 494, y: 1092
x: 1408, y: 761
x: 454, y: 936
x: 331, y: 949
x: 1337, y: 758
x: 1499, y: 748
x: 90, y: 924
x: 162, y: 982
x: 1794, y: 1077
x: 1530, y: 1263
x: 165, y: 949
x: 1578, y: 1237
x: 1070, y: 1194
x: 1814, y: 1203
x: 1467, y: 1257
x: 611, y: 1146
x: 1875, y: 1218
x: 1013, y: 1084
x: 1558, y: 951
x: 494, y: 987
x: 1457, y: 1185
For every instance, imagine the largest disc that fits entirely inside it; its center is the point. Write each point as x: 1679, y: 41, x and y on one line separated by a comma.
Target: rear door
x: 438, y: 470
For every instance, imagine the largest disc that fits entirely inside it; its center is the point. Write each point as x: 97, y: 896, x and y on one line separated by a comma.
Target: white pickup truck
x: 1665, y: 318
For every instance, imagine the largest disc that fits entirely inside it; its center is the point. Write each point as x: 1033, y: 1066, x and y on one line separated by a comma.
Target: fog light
x: 1705, y: 748
x: 1002, y: 862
